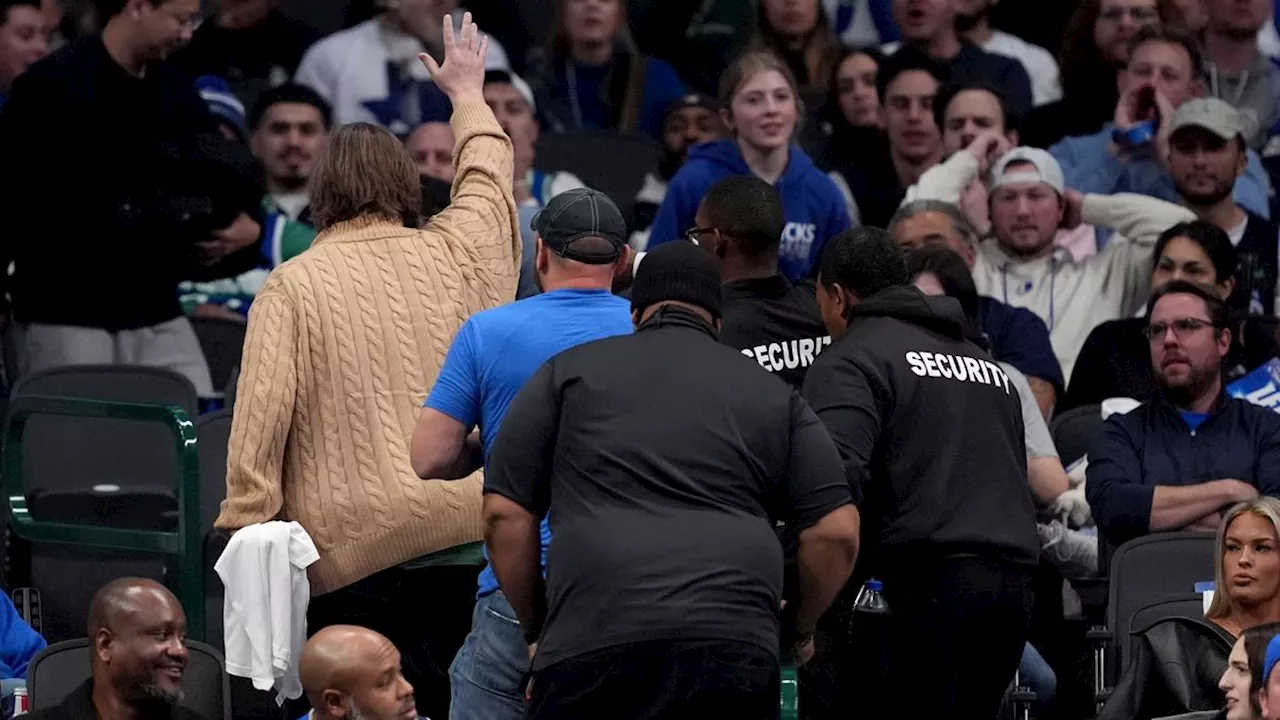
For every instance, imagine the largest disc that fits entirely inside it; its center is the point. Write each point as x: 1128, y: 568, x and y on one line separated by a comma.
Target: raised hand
x: 1072, y: 216
x: 987, y: 148
x: 461, y: 77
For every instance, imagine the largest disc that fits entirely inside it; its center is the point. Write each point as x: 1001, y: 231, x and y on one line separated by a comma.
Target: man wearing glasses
x: 1177, y: 461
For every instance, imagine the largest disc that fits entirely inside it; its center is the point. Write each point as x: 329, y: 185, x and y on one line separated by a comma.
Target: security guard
x: 930, y: 430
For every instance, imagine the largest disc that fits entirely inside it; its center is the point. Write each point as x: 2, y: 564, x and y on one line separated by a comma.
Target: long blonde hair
x: 1267, y: 508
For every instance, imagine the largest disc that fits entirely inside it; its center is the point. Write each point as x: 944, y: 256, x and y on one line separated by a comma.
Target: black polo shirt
x: 775, y: 323
x: 662, y: 460
x: 79, y: 706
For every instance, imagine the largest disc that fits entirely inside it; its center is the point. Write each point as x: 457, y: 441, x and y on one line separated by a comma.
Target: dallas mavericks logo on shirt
x: 797, y: 241
x: 787, y: 355
x: 957, y: 367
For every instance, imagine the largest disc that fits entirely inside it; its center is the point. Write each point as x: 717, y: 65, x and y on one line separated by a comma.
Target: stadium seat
x: 1073, y: 432
x: 611, y: 163
x: 222, y: 342
x: 1146, y: 572
x: 60, y: 668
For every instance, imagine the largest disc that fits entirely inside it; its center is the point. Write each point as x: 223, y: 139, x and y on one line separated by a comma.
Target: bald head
x: 138, y: 630
x: 345, y: 665
x: 123, y: 596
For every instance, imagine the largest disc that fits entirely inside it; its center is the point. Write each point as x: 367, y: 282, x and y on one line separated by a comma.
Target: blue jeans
x: 1037, y: 675
x: 486, y: 675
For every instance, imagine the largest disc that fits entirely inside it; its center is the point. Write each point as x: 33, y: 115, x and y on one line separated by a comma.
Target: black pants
x: 425, y: 612
x: 667, y: 680
x: 949, y: 647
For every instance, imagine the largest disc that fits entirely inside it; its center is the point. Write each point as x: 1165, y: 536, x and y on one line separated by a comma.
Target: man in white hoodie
x: 1018, y: 263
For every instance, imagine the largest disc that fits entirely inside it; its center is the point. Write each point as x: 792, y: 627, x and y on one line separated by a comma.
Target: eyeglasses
x: 1182, y: 327
x: 1137, y: 14
x: 693, y: 233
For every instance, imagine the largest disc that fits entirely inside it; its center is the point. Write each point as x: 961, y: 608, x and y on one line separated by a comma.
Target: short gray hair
x: 961, y: 223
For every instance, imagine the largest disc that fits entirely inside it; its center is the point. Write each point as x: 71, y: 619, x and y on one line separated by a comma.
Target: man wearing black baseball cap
x: 662, y: 460
x: 691, y: 120
x: 579, y: 244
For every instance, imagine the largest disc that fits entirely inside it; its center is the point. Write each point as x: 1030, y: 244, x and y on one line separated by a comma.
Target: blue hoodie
x: 815, y: 210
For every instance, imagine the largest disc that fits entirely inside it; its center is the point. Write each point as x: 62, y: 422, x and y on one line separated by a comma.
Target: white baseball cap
x: 1213, y: 115
x: 1044, y: 169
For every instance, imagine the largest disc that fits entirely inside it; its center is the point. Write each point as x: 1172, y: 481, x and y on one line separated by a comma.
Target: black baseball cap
x: 691, y: 100
x: 580, y: 213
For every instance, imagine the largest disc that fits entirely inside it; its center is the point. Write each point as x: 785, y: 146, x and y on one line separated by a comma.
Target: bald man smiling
x: 353, y: 673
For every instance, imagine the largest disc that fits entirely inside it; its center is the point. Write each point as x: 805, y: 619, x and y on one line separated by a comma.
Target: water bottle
x: 870, y: 600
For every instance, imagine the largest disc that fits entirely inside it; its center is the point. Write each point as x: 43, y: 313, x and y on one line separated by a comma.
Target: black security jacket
x: 931, y: 431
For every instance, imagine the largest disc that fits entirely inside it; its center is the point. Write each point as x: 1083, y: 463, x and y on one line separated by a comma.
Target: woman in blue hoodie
x: 762, y: 110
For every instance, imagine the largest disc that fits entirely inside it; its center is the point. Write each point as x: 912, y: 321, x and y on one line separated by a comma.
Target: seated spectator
x: 692, y: 120
x: 1207, y: 153
x: 370, y: 72
x: 762, y: 109
x: 250, y: 43
x: 931, y: 29
x: 1269, y: 693
x: 766, y: 317
x: 18, y: 642
x: 1020, y: 264
x: 799, y: 32
x: 1177, y: 664
x: 1243, y: 677
x: 23, y: 40
x: 1094, y: 47
x: 1115, y: 360
x: 592, y: 77
x: 353, y: 672
x: 973, y: 23
x: 852, y: 98
x: 666, y: 573
x: 512, y: 103
x: 1131, y: 154
x: 137, y: 639
x: 861, y: 23
x: 1176, y: 461
x: 289, y: 129
x: 171, y: 200
x: 342, y: 345
x: 430, y: 146
x: 878, y: 169
x: 1014, y: 335
x: 1237, y: 70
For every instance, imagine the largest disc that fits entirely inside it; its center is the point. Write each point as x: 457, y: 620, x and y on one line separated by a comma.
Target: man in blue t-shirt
x: 581, y: 243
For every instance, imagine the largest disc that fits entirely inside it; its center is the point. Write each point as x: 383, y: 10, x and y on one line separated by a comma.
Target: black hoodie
x: 931, y: 431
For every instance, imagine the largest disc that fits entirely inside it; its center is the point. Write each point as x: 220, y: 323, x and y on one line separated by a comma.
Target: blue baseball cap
x: 1273, y: 657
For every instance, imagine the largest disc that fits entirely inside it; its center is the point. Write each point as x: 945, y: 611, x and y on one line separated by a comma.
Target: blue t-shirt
x: 497, y: 350
x: 1194, y: 419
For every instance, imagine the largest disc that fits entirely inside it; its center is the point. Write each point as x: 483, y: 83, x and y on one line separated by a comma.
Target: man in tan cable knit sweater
x: 344, y: 342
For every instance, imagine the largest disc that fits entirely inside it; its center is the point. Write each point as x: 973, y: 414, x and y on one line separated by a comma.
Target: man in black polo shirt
x: 662, y: 461
x: 930, y: 430
x: 766, y: 318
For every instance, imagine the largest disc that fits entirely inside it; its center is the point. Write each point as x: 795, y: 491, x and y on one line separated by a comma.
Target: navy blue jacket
x: 1153, y: 445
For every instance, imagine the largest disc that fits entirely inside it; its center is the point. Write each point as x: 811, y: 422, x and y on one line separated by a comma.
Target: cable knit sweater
x: 344, y: 342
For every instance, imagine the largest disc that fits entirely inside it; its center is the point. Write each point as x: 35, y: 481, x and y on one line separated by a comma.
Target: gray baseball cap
x: 1213, y: 115
x: 580, y: 213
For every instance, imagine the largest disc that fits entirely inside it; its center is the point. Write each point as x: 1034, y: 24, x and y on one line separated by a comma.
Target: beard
x: 670, y: 161
x: 152, y: 693
x: 1219, y: 193
x: 1184, y: 394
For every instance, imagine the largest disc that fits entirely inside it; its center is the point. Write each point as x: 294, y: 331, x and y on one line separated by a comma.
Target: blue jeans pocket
x: 488, y: 671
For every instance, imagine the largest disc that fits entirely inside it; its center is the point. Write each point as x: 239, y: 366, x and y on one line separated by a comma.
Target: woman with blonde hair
x: 344, y: 342
x: 761, y: 107
x: 1176, y: 664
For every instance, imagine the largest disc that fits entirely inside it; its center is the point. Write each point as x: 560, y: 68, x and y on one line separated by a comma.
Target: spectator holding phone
x: 1132, y: 153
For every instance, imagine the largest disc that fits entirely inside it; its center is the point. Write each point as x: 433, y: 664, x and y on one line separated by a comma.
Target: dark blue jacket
x: 814, y: 209
x: 1153, y: 445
